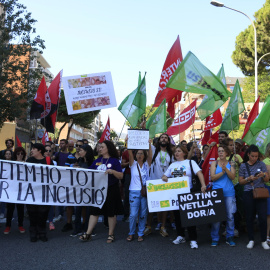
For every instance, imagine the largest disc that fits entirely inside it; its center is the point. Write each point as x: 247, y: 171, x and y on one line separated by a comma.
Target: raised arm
x: 149, y: 156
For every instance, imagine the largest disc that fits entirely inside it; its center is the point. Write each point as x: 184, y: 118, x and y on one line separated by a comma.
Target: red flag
x: 38, y: 104
x: 54, y: 91
x: 214, y: 137
x: 19, y: 144
x: 45, y: 137
x: 212, y: 156
x: 106, y: 132
x: 172, y: 96
x: 214, y: 120
x: 184, y: 120
x: 206, y: 136
x: 252, y: 116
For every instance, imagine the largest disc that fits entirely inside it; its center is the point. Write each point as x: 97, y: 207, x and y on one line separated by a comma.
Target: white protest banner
x: 138, y: 139
x: 163, y: 196
x: 30, y: 183
x: 91, y: 92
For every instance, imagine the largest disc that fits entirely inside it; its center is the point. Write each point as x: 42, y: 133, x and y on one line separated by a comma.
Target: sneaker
x: 158, y: 227
x: 147, y: 230
x: 265, y: 245
x: 214, y: 243
x: 51, y: 226
x: 163, y: 232
x: 230, y: 242
x: 236, y: 233
x: 67, y: 227
x: 179, y: 240
x: 57, y: 218
x: 21, y: 229
x: 193, y: 244
x: 250, y: 244
x: 3, y: 220
x: 76, y: 233
x: 7, y: 230
x: 173, y: 226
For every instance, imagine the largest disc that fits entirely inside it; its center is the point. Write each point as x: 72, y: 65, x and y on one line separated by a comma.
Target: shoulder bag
x: 260, y: 192
x: 143, y: 190
x: 195, y: 180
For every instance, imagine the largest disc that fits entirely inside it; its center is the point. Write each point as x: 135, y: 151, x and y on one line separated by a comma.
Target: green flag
x: 261, y: 122
x: 133, y: 106
x: 192, y: 76
x: 139, y: 79
x: 261, y: 139
x: 157, y: 122
x: 236, y: 106
x: 209, y: 105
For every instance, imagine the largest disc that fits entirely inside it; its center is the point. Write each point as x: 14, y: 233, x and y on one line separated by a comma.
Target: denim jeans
x: 230, y: 203
x: 138, y: 208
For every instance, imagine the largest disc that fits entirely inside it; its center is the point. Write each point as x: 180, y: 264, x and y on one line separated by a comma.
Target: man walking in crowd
x: 162, y: 158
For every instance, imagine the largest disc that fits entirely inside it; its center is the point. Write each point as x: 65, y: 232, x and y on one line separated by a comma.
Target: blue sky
x: 126, y: 37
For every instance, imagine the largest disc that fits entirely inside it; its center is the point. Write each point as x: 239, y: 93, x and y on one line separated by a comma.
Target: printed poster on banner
x: 202, y: 208
x: 30, y: 183
x: 91, y: 92
x: 163, y: 196
x: 138, y: 139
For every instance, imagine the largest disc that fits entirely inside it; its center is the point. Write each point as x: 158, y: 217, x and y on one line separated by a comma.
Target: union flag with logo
x: 184, y: 120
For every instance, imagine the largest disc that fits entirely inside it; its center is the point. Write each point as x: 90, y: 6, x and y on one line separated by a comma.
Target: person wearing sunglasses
x: 18, y: 155
x: 72, y: 160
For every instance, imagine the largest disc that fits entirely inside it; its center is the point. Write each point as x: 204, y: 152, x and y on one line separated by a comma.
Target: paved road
x: 156, y: 252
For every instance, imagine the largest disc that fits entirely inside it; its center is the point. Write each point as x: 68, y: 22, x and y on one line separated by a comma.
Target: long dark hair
x: 112, y: 151
x: 158, y: 148
x: 252, y: 148
x: 89, y: 156
x: 17, y: 150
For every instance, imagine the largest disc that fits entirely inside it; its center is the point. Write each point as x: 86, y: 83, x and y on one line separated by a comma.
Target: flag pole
x: 178, y: 114
x: 36, y: 132
x: 191, y: 119
x: 125, y: 122
x: 232, y: 133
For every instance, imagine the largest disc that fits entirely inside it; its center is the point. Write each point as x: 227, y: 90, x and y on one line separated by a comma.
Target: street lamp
x: 219, y: 4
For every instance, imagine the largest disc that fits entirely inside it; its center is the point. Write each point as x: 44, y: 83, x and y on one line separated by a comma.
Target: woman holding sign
x: 139, y: 169
x: 182, y: 168
x: 222, y: 174
x: 108, y: 162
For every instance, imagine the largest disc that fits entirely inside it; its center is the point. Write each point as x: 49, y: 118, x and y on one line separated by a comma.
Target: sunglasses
x: 48, y: 151
x: 78, y: 145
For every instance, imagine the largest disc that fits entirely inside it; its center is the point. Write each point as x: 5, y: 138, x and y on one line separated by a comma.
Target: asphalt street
x: 155, y: 252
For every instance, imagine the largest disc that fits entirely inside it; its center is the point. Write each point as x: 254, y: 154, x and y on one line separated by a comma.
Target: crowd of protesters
x: 237, y: 171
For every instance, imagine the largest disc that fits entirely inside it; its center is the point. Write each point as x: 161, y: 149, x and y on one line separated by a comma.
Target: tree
x: 82, y: 119
x: 243, y: 56
x: 148, y: 113
x: 19, y: 45
x: 249, y: 88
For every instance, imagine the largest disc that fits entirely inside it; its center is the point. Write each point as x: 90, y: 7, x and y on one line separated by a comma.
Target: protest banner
x: 163, y: 196
x: 89, y: 92
x: 202, y: 208
x: 30, y: 183
x: 138, y: 139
